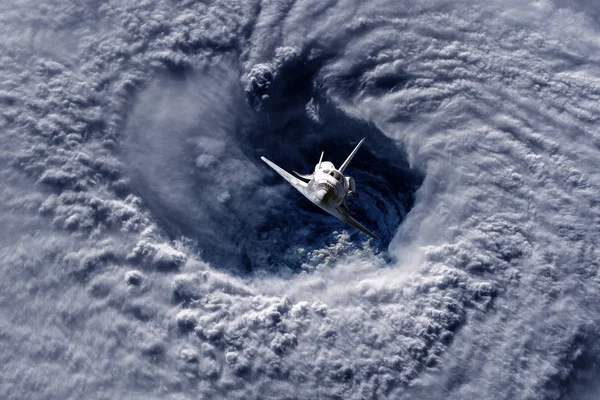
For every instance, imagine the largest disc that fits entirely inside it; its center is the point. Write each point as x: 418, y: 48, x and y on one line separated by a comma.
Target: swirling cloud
x: 146, y: 252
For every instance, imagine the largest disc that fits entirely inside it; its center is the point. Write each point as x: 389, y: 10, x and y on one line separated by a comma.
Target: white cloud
x: 124, y: 124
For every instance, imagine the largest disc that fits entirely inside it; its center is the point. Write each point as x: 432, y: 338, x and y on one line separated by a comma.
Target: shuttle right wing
x: 295, y: 182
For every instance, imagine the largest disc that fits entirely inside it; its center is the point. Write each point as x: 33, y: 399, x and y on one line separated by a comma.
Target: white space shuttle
x: 327, y: 187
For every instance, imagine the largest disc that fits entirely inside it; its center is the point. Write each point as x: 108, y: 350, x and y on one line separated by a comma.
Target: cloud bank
x: 148, y: 253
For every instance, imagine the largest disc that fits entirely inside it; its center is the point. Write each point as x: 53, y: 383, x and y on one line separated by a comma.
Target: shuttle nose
x: 320, y: 195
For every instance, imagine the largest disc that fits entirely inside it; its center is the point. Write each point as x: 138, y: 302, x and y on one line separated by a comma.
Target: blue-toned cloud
x: 147, y: 252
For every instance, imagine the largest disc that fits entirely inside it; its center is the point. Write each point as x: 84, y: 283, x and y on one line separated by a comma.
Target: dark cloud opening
x: 194, y: 148
x: 383, y: 177
x: 294, y: 123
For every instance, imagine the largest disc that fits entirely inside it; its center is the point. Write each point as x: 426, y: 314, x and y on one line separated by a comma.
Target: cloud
x: 146, y: 252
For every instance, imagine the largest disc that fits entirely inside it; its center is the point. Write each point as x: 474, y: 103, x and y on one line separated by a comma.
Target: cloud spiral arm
x: 119, y: 282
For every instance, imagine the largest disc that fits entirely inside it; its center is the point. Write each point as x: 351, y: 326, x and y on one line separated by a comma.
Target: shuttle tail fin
x: 345, y: 164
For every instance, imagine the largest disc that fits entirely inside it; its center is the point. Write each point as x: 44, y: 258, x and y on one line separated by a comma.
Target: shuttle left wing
x: 343, y: 215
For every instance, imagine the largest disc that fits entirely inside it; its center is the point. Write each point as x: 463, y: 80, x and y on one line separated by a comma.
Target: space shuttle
x: 327, y: 187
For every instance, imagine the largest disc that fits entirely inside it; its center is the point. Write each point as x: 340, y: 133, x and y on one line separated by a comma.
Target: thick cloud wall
x: 147, y: 252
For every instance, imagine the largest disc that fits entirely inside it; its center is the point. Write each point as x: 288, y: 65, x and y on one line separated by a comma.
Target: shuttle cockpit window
x: 336, y: 175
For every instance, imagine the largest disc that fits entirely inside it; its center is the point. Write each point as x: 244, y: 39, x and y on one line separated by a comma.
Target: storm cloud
x: 147, y: 252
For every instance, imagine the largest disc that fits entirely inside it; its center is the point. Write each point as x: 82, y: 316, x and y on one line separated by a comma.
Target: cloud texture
x: 146, y: 251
